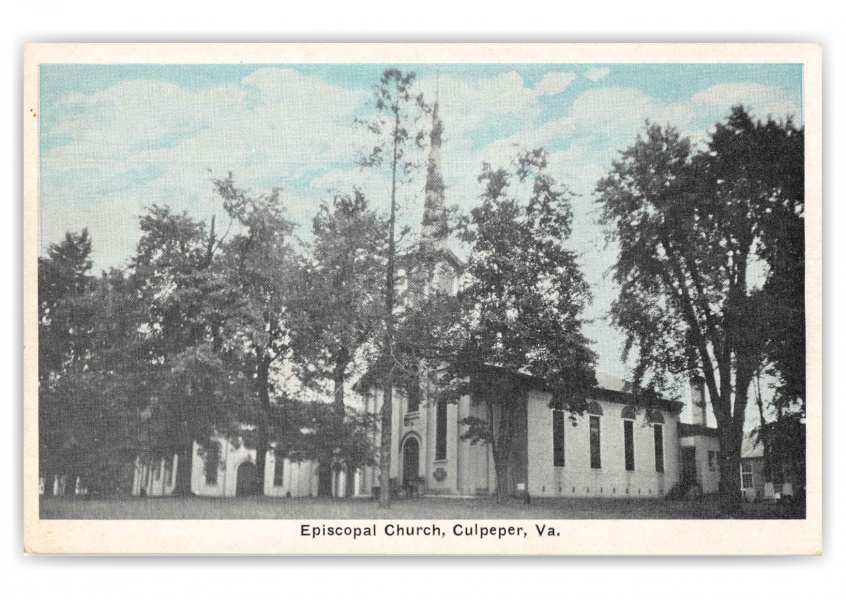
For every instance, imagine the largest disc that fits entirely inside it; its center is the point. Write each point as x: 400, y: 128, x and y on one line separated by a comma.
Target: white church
x: 617, y: 448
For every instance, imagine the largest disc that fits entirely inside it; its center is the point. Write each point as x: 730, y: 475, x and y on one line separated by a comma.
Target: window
x: 278, y: 469
x: 658, y: 430
x: 212, y: 463
x: 414, y: 395
x: 746, y: 479
x: 441, y: 430
x: 712, y: 460
x: 595, y: 458
x: 558, y: 438
x: 628, y: 435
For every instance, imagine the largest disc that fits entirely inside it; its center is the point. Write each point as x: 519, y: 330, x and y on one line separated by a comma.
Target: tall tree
x: 338, y: 310
x: 396, y: 125
x: 86, y: 424
x: 66, y: 321
x: 189, y: 391
x: 518, y: 310
x: 692, y: 229
x: 260, y: 266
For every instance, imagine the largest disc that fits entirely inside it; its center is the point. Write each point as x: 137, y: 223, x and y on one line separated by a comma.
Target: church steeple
x: 434, y: 231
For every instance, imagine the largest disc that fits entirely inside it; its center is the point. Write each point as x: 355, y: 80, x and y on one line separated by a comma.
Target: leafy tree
x: 518, y: 310
x: 396, y: 125
x: 83, y: 428
x: 65, y: 330
x: 338, y: 309
x: 259, y: 266
x: 690, y: 226
x: 187, y: 392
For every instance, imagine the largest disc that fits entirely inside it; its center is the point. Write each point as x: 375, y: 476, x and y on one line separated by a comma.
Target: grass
x: 423, y: 508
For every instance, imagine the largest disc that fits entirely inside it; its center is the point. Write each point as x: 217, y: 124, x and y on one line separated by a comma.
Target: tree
x: 259, y: 268
x: 185, y: 392
x: 398, y: 111
x: 690, y: 225
x: 518, y: 310
x: 338, y: 309
x: 85, y: 427
x: 66, y: 314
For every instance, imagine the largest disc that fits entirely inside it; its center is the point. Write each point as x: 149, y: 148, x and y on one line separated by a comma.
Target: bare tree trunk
x: 730, y: 490
x: 262, y: 433
x: 501, y: 434
x: 184, y: 465
x: 338, y: 416
x: 387, y: 404
x: 385, y: 448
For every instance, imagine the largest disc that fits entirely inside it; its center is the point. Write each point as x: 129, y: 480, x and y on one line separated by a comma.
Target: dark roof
x: 615, y: 392
x: 691, y: 429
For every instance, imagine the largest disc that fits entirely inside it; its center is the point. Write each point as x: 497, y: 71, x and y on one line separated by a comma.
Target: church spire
x: 433, y: 236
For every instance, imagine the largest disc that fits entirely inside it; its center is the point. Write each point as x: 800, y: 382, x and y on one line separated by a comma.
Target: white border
x: 578, y: 537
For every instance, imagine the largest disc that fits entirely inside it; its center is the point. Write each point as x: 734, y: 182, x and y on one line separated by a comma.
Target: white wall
x: 708, y: 476
x: 299, y: 479
x: 576, y: 477
x: 151, y: 477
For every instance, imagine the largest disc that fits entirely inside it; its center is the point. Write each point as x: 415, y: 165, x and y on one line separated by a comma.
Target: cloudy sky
x: 117, y: 138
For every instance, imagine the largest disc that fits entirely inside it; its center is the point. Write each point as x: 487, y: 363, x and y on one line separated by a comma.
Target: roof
x: 614, y: 389
x: 752, y: 446
x: 692, y: 429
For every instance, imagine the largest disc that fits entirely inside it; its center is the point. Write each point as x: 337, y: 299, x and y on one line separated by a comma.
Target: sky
x: 115, y: 139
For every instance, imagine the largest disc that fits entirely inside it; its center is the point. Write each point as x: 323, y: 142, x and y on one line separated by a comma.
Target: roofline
x: 694, y: 429
x: 606, y: 394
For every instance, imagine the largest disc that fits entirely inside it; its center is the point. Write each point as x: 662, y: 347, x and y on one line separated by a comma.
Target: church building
x: 617, y: 448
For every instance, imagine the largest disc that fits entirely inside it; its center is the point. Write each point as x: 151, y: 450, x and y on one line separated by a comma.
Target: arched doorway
x: 247, y: 479
x: 410, y: 463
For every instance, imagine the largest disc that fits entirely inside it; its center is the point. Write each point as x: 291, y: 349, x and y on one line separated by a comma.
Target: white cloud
x: 144, y: 141
x: 554, y: 82
x: 597, y: 74
x: 466, y: 104
x: 153, y: 141
x: 760, y: 100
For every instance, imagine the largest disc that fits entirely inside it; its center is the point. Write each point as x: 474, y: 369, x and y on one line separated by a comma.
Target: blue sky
x: 117, y: 138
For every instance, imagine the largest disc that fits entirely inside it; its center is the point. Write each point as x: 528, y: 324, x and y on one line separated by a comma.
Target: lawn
x: 422, y: 508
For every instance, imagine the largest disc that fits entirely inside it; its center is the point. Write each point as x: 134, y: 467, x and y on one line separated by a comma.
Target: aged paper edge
x: 592, y: 537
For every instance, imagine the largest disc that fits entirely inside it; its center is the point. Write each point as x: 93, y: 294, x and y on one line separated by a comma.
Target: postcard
x: 433, y: 299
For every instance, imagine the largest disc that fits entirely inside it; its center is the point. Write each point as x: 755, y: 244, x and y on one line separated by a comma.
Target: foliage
x: 518, y: 309
x: 84, y: 429
x: 396, y: 125
x: 695, y: 229
x: 339, y: 291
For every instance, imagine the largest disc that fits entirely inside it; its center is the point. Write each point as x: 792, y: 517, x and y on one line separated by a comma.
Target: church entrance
x: 411, y: 465
x: 247, y: 481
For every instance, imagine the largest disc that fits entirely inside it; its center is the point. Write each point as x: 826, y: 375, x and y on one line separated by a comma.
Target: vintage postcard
x: 423, y: 298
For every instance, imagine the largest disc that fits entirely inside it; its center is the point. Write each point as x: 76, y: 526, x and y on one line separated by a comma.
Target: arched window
x: 441, y: 430
x: 595, y: 411
x: 656, y: 416
x: 558, y: 438
x: 629, y: 414
x: 594, y: 408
